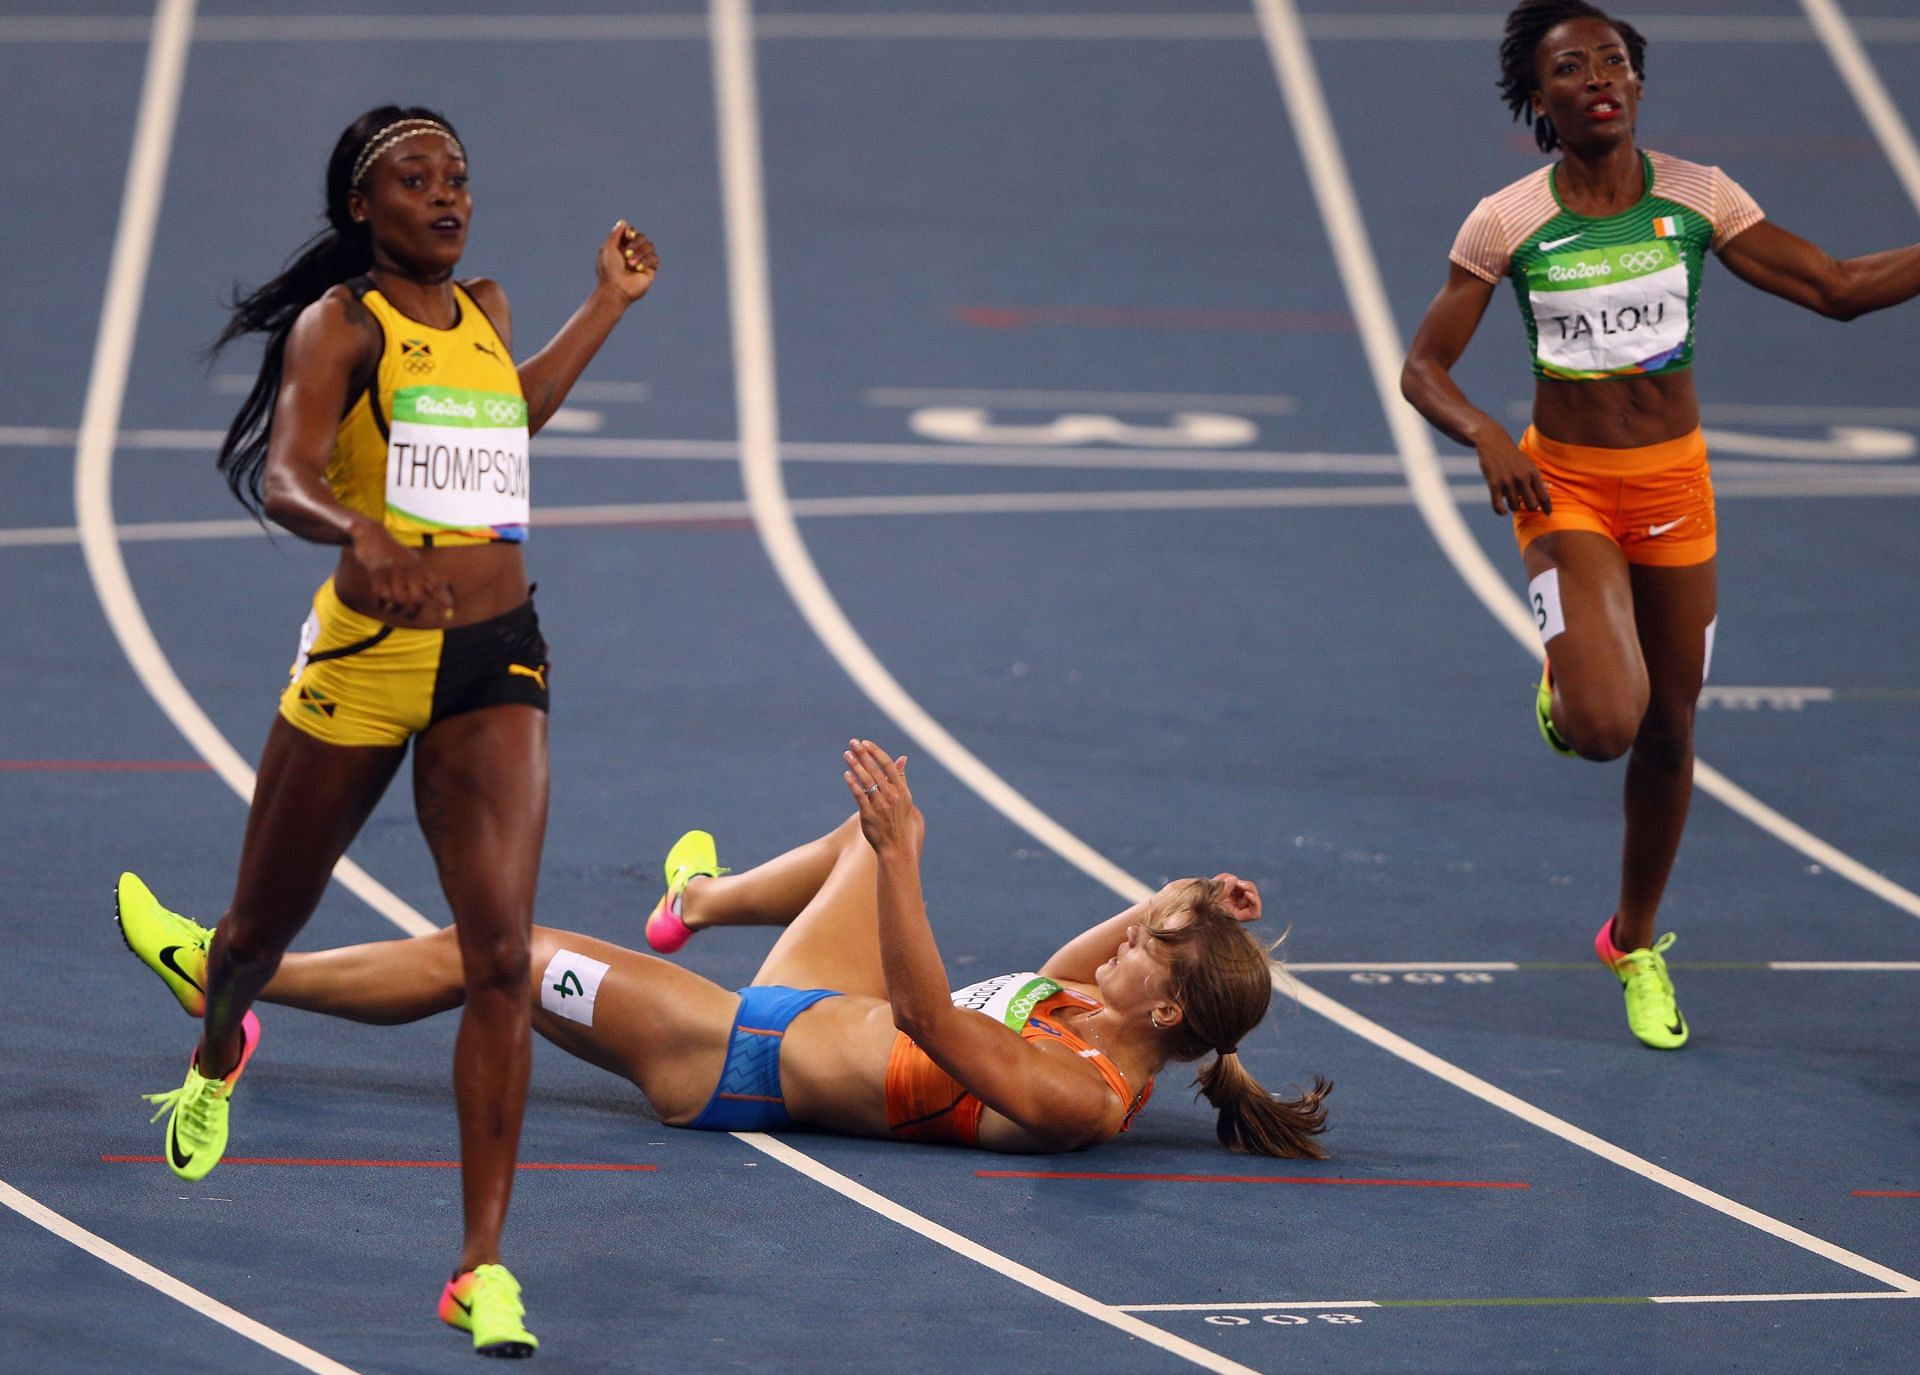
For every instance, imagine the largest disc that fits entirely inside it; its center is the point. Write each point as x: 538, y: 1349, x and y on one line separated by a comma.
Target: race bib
x: 571, y: 984
x: 457, y: 460
x: 1610, y: 310
x: 1008, y: 998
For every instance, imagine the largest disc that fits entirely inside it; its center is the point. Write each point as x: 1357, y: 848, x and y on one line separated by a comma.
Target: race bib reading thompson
x: 457, y: 460
x: 1611, y: 310
x: 1008, y: 998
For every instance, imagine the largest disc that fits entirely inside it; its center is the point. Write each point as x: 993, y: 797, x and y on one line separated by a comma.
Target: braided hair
x: 1527, y: 27
x: 339, y: 252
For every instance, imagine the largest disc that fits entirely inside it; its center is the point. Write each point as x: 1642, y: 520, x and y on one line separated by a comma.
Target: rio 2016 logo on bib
x: 457, y: 460
x: 1609, y: 310
x: 1008, y: 998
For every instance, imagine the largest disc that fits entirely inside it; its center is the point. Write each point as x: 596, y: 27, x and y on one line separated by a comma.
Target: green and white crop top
x: 1614, y: 295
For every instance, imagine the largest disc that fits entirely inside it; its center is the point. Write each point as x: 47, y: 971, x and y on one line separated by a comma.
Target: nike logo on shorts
x: 1559, y: 243
x: 1655, y: 531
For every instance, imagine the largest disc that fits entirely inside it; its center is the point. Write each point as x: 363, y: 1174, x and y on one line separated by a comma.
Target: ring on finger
x: 870, y: 791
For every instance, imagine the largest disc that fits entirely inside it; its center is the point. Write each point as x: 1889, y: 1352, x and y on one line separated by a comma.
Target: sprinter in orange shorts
x: 1609, y: 489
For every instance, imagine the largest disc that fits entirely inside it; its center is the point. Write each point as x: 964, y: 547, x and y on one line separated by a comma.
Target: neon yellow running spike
x: 197, y: 1127
x: 486, y: 1302
x: 172, y: 946
x: 691, y: 857
x: 1543, y: 713
x: 1652, y: 1013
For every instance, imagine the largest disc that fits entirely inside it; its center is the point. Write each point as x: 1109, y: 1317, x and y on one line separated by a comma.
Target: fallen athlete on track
x: 850, y: 1025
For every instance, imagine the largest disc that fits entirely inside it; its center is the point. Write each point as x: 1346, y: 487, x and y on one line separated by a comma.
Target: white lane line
x: 1360, y: 273
x: 1111, y: 1314
x: 1338, y: 1013
x: 1842, y: 43
x: 99, y: 431
x: 1407, y: 967
x: 1846, y: 966
x: 1014, y: 503
x: 737, y: 102
x: 752, y: 316
x: 178, y: 1290
x: 1824, y: 477
x: 1777, y: 1298
x: 1255, y: 1306
x: 1340, y: 208
x: 1330, y: 1305
x: 158, y: 112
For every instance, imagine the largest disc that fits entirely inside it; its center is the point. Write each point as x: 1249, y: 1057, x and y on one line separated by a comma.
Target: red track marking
x: 1260, y: 1179
x: 1886, y: 1193
x: 104, y: 766
x: 1129, y: 317
x: 383, y: 1164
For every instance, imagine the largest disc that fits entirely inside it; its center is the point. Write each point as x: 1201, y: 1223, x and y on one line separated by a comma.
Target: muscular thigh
x: 1596, y: 653
x: 1674, y: 609
x: 661, y: 1026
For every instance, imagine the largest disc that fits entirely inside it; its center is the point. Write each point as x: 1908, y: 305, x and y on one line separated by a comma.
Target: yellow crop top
x: 436, y: 447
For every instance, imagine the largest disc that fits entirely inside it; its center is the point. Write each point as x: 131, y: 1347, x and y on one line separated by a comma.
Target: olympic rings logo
x: 1644, y: 260
x: 505, y: 412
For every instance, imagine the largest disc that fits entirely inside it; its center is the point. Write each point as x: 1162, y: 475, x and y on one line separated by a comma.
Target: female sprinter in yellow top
x: 850, y: 1025
x: 1609, y: 488
x: 389, y: 418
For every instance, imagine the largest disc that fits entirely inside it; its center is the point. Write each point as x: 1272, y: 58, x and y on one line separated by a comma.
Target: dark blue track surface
x: 1306, y: 693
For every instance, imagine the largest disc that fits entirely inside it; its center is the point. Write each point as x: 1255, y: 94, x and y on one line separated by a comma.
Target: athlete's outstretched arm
x: 1078, y: 958
x: 1053, y: 1098
x: 1789, y: 267
x: 333, y: 343
x: 623, y: 271
x: 1426, y: 380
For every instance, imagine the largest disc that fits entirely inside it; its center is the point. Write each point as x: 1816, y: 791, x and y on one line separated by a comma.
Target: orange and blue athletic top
x: 435, y: 448
x: 1607, y: 295
x: 925, y: 1103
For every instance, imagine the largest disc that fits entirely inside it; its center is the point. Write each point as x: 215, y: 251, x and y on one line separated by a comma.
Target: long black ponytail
x: 339, y: 252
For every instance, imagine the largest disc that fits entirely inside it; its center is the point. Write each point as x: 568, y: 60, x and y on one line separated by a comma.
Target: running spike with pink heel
x: 691, y: 857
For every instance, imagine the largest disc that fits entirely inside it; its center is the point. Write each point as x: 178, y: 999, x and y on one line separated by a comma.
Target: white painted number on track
x: 1420, y: 976
x: 1282, y: 1319
x: 1188, y: 430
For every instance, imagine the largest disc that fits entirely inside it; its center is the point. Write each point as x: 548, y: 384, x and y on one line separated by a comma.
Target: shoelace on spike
x: 190, y: 1099
x: 1649, y: 975
x: 494, y: 1286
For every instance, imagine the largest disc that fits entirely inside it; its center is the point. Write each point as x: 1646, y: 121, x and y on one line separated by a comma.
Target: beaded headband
x: 398, y: 132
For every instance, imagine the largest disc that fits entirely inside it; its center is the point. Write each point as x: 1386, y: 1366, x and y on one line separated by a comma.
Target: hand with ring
x: 878, y: 782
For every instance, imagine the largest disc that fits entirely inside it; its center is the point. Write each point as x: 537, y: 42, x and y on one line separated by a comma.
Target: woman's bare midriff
x: 1618, y: 413
x: 833, y: 1065
x: 486, y: 580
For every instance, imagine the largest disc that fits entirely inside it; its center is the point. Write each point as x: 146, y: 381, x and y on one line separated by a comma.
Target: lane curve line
x: 756, y: 398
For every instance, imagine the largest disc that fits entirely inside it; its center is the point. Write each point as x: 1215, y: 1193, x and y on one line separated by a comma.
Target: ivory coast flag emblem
x: 1665, y: 227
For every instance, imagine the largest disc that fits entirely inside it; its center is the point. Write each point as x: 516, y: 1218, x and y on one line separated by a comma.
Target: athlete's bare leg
x: 480, y: 788
x: 769, y: 894
x: 834, y: 941
x: 309, y: 802
x: 1600, y: 688
x: 661, y: 1026
x: 1673, y: 607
